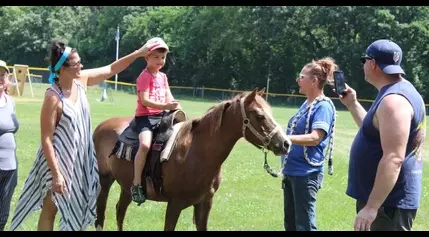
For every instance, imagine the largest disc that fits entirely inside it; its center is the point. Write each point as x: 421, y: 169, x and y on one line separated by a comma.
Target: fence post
x: 202, y: 92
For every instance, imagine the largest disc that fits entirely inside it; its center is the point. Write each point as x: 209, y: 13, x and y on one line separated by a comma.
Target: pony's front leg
x: 174, y: 208
x: 202, y: 209
x: 201, y: 213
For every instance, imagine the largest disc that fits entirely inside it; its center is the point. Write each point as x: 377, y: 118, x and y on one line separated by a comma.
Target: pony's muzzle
x: 286, y: 146
x: 280, y: 146
x: 287, y: 143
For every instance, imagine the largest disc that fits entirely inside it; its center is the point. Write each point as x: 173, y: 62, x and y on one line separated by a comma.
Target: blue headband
x: 58, y: 65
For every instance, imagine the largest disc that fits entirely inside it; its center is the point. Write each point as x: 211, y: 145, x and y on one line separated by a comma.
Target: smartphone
x: 339, y: 82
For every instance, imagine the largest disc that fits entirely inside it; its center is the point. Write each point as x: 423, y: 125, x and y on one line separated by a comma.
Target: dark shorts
x: 391, y: 218
x: 8, y: 181
x: 148, y: 122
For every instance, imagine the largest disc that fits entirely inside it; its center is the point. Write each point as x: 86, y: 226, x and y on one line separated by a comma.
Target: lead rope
x: 268, y: 168
x: 297, y: 117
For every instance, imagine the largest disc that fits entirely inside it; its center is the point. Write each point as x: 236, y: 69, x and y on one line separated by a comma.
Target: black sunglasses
x: 364, y: 58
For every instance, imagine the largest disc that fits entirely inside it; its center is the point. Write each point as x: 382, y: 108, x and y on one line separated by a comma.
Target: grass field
x: 248, y: 198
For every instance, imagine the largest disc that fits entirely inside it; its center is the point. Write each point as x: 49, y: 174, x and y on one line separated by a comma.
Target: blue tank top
x: 366, y: 153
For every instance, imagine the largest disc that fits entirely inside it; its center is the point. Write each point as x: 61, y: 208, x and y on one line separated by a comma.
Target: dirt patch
x: 18, y: 99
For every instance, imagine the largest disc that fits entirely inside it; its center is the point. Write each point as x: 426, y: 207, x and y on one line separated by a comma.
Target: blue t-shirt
x: 322, y: 117
x: 366, y: 153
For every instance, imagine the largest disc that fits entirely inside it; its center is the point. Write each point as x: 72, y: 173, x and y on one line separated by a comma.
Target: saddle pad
x: 165, y: 154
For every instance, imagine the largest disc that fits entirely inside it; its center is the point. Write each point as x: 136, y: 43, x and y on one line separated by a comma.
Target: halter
x: 246, y: 124
x: 266, y: 140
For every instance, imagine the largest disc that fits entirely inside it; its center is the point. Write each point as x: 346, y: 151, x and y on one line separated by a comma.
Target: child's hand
x: 179, y: 107
x: 173, y: 105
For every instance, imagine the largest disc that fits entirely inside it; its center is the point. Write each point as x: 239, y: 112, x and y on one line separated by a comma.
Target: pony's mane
x: 213, y: 117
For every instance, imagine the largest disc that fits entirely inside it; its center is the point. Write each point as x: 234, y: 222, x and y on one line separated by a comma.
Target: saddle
x: 128, y: 143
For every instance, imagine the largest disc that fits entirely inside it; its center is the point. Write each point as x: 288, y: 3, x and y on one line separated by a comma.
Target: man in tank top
x: 385, y: 167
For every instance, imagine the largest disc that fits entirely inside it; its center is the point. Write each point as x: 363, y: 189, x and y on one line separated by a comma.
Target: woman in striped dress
x: 64, y: 175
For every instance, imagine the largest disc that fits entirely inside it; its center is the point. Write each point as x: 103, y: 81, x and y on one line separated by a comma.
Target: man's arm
x: 394, y: 119
x: 349, y: 99
x: 358, y: 113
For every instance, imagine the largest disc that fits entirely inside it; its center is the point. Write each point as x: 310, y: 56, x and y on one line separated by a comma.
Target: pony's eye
x: 260, y: 117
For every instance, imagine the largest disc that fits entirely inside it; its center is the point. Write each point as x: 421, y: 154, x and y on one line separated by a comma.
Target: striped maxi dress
x: 74, y: 149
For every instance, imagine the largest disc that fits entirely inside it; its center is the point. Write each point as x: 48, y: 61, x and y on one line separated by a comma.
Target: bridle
x: 266, y: 140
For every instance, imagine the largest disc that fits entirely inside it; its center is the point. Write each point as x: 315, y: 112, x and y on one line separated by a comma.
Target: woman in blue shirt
x: 311, y: 130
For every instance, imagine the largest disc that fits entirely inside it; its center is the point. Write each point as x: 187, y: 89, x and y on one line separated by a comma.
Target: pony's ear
x: 226, y: 105
x: 261, y: 92
x: 251, y: 96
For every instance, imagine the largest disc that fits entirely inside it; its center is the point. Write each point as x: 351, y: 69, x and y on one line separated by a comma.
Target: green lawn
x: 248, y: 198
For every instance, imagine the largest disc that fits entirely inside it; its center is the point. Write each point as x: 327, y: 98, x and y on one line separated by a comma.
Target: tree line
x: 231, y: 47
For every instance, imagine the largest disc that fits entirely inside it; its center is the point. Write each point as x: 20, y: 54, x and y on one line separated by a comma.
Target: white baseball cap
x: 3, y: 65
x: 156, y: 43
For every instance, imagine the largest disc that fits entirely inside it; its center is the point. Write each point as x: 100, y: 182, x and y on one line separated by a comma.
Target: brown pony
x: 191, y: 176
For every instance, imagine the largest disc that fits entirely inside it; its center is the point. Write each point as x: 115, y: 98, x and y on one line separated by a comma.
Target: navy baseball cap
x: 387, y: 55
